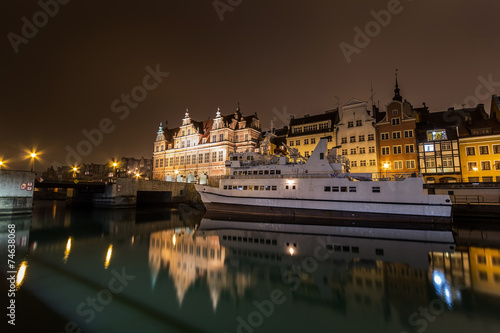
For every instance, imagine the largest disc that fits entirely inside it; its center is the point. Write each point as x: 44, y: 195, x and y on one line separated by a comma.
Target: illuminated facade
x: 397, y: 151
x: 356, y: 136
x: 437, y: 145
x: 201, y: 148
x: 304, y: 133
x: 485, y: 270
x: 479, y: 138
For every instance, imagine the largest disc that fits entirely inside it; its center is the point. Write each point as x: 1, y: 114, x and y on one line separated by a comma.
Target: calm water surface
x: 172, y: 270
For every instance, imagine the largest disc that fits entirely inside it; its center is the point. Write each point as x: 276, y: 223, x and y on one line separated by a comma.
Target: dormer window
x: 435, y: 135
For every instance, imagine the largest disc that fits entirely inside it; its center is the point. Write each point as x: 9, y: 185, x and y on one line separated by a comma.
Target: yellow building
x: 479, y: 143
x: 304, y: 133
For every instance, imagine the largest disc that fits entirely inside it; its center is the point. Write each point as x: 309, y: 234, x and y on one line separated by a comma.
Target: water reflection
x: 225, y: 271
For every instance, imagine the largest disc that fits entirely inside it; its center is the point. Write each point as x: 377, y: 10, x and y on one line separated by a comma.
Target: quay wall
x: 16, y: 192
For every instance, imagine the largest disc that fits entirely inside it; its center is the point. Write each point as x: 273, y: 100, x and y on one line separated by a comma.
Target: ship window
x: 376, y: 189
x: 268, y: 188
x: 224, y: 237
x: 250, y: 187
x: 293, y: 187
x: 235, y: 187
x: 255, y: 240
x: 245, y: 188
x: 379, y: 252
x: 256, y: 187
x: 329, y: 247
x: 261, y: 240
x: 261, y: 172
x: 274, y: 242
x: 266, y: 172
x: 278, y: 172
x: 262, y: 188
x: 335, y: 188
x: 268, y: 242
x: 239, y: 239
x: 245, y: 239
x: 273, y: 188
x: 255, y: 172
x: 286, y: 187
x: 230, y: 187
x: 337, y: 248
x: 240, y: 187
x: 343, y: 189
x: 327, y: 188
x: 352, y: 189
x: 271, y: 172
x: 355, y: 249
x: 234, y: 240
x: 235, y: 173
x: 346, y: 248
x: 321, y: 156
x: 225, y: 187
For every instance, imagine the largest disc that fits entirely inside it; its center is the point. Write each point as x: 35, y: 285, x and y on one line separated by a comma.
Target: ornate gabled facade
x: 356, y: 136
x: 198, y: 149
x: 397, y: 153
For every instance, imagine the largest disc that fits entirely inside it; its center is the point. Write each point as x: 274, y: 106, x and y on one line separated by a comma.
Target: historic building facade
x: 198, y: 149
x: 396, y: 150
x: 437, y: 145
x: 356, y: 136
x: 304, y: 133
x: 479, y: 138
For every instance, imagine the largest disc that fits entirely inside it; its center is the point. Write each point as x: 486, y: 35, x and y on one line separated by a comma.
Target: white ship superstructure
x: 320, y: 187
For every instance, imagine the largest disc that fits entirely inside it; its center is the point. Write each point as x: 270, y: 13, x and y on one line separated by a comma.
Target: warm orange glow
x: 291, y: 250
x: 137, y: 175
x: 67, y: 251
x: 108, y: 256
x: 173, y: 240
x: 386, y: 165
x: 115, y: 164
x: 21, y: 273
x: 75, y: 169
x: 33, y: 155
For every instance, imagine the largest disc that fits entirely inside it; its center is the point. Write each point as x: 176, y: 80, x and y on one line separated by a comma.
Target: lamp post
x: 33, y: 156
x: 386, y: 166
x: 75, y: 169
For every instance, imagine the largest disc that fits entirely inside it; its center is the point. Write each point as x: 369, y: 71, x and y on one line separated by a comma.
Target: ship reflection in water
x: 181, y: 272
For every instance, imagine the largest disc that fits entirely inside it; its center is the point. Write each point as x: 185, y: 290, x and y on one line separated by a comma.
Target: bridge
x: 89, y: 186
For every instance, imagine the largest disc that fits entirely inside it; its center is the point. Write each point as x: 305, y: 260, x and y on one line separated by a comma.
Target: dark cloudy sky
x: 267, y: 55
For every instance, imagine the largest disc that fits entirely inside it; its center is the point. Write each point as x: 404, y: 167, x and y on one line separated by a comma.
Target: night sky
x: 267, y: 55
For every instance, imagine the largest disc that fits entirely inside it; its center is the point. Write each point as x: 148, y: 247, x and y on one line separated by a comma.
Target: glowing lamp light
x: 173, y: 239
x: 108, y: 256
x: 33, y: 155
x: 438, y: 280
x: 67, y: 251
x: 291, y: 250
x: 386, y: 165
x: 474, y: 168
x: 21, y: 273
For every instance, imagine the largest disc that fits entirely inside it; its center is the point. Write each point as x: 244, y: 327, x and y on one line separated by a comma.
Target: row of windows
x: 190, y: 159
x: 362, y: 150
x: 446, y: 162
x: 237, y: 138
x: 485, y: 165
x: 396, y: 135
x: 396, y: 150
x: 362, y: 163
x: 351, y: 189
x: 483, y: 150
x: 306, y: 141
x: 250, y: 240
x: 310, y: 128
x: 398, y: 165
x: 358, y: 123
x: 432, y: 146
x: 361, y: 138
x: 250, y: 187
x: 342, y: 248
x: 481, y: 259
x: 257, y: 172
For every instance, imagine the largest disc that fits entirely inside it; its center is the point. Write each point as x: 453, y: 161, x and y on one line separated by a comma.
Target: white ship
x: 322, y: 187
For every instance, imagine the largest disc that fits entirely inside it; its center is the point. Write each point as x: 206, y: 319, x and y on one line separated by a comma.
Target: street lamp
x: 1, y: 164
x: 75, y: 169
x: 33, y: 156
x: 386, y: 166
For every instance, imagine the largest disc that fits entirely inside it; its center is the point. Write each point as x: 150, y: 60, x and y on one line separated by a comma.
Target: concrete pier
x: 16, y: 192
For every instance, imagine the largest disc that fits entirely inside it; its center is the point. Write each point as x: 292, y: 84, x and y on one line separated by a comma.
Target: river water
x: 175, y: 270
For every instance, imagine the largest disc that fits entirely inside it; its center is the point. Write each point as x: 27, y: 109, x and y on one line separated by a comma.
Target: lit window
x: 483, y: 150
x: 429, y: 147
x: 469, y: 151
x: 385, y: 136
x: 436, y: 135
